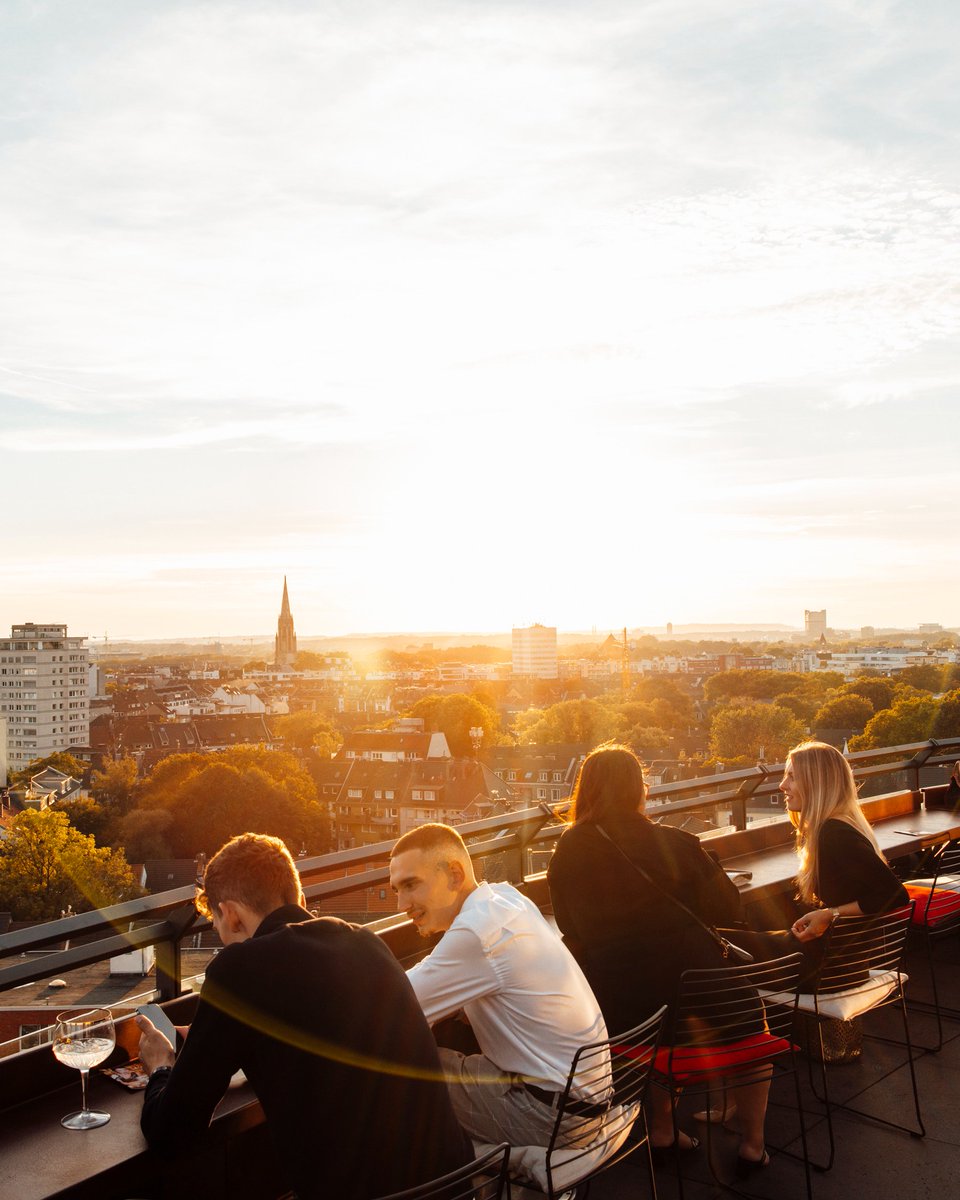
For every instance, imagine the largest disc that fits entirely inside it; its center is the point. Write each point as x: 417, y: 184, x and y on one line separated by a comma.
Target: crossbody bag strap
x: 726, y: 946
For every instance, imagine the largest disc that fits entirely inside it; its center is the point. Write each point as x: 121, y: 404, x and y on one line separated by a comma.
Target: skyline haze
x: 467, y: 316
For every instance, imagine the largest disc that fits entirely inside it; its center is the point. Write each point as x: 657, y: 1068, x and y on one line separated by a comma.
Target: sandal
x: 750, y: 1166
x: 661, y: 1155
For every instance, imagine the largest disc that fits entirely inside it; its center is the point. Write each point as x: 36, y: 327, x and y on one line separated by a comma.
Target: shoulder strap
x: 726, y: 947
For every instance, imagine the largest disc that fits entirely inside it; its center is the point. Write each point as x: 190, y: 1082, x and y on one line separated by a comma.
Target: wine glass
x: 83, y: 1040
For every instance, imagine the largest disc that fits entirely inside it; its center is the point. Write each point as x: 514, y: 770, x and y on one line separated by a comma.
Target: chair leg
x: 934, y: 1006
x: 920, y: 1131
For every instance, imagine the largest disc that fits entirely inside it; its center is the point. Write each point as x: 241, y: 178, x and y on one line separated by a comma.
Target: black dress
x: 849, y: 869
x: 631, y: 941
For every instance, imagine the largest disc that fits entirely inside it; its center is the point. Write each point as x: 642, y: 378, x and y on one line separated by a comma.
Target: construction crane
x: 624, y: 666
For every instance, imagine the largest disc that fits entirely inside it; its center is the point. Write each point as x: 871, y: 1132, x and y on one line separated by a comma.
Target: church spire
x: 285, y: 644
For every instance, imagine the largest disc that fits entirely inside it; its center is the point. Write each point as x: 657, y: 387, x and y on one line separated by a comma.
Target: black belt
x: 576, y: 1108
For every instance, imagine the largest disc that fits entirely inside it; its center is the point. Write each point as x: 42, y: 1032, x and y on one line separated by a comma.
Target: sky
x: 466, y: 314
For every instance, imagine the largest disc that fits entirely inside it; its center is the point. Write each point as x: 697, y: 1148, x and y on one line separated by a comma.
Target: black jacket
x: 321, y: 1019
x: 632, y: 942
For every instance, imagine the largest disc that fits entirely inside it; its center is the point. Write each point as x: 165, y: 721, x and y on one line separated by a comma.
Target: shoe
x: 750, y: 1166
x: 661, y: 1155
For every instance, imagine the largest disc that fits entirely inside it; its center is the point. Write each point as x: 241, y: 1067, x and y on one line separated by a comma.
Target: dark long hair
x: 609, y: 786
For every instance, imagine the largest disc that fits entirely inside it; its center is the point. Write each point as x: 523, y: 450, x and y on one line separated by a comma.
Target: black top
x: 322, y: 1020
x: 632, y: 942
x: 849, y: 868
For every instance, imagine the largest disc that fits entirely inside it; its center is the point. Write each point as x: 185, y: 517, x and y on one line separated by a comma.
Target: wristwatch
x: 160, y: 1071
x: 834, y: 915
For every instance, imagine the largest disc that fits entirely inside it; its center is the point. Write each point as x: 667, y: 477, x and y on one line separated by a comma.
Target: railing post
x: 169, y: 962
x: 919, y: 759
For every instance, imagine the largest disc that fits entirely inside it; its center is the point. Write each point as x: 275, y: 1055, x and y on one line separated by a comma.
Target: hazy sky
x: 465, y: 314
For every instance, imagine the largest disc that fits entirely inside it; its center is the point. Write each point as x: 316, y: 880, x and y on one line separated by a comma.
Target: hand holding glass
x: 83, y: 1040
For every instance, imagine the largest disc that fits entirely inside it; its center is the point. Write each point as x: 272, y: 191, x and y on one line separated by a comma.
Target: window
x: 544, y: 775
x: 558, y: 777
x: 541, y: 793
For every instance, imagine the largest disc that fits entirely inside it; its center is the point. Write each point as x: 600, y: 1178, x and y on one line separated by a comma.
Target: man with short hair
x: 523, y: 993
x: 321, y: 1019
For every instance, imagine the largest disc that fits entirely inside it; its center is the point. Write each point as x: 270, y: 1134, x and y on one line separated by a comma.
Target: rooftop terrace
x: 236, y: 1160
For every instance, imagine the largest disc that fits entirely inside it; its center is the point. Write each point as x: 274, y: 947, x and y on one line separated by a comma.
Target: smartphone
x: 156, y: 1014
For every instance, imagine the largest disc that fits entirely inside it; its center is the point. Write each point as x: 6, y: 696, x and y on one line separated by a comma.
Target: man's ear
x: 231, y: 916
x: 456, y: 874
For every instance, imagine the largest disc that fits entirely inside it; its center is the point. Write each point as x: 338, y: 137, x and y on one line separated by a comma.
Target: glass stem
x: 84, y: 1072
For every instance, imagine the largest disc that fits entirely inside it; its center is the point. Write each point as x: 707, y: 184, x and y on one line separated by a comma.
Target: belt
x: 576, y: 1108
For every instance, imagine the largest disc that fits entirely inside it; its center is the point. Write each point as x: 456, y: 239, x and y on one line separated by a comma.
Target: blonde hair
x: 827, y: 792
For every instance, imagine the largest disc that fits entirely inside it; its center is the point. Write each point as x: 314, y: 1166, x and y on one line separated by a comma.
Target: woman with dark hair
x: 632, y: 942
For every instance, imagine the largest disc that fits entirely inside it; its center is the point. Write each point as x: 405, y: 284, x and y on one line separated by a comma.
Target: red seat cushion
x: 686, y: 1062
x: 942, y: 904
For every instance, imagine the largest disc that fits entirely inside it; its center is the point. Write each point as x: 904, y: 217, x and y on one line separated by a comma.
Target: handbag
x: 728, y: 949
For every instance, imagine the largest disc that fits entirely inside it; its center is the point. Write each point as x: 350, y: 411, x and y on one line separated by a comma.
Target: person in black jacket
x: 321, y: 1019
x: 632, y: 942
x: 841, y: 867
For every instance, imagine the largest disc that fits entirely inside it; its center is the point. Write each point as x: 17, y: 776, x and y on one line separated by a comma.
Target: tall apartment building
x: 43, y: 692
x: 815, y: 622
x: 535, y: 652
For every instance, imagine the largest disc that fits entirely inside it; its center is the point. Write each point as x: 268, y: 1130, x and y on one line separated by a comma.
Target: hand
x: 155, y: 1050
x: 812, y: 925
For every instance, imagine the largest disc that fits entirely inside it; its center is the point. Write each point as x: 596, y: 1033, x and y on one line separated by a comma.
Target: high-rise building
x: 535, y: 652
x: 815, y: 622
x: 285, y: 644
x: 43, y: 692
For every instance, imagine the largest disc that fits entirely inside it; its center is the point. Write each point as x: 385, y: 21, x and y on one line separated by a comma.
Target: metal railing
x: 167, y: 919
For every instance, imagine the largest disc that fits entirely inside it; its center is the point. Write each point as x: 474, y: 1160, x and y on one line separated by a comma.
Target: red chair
x: 936, y: 915
x: 733, y: 1026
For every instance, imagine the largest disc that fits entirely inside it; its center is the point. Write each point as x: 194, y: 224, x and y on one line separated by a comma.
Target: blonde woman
x: 841, y: 868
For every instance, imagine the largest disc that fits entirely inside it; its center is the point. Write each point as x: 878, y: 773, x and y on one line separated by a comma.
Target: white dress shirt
x: 526, y: 998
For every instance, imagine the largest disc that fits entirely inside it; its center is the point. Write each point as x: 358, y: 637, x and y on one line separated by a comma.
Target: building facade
x: 815, y: 622
x: 535, y: 652
x: 43, y: 692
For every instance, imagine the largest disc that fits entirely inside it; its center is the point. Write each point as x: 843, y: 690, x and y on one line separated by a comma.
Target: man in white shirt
x: 523, y: 993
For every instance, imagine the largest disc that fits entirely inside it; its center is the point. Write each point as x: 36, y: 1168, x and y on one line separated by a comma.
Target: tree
x: 47, y: 866
x: 569, y: 721
x: 906, y: 721
x: 212, y: 797
x: 87, y: 816
x: 877, y: 689
x: 928, y: 677
x: 115, y: 784
x: 59, y: 760
x: 850, y: 712
x: 742, y: 731
x: 947, y: 723
x: 145, y: 834
x: 455, y: 716
x: 308, y: 731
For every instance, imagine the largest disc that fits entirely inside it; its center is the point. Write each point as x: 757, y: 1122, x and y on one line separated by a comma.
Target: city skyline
x: 467, y: 316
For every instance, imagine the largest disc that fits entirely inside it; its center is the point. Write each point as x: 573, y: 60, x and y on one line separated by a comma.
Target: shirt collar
x: 286, y: 914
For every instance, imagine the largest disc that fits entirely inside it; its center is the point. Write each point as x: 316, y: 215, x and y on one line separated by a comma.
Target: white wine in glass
x: 83, y: 1040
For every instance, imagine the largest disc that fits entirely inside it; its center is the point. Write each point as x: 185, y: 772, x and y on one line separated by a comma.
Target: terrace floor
x: 872, y: 1160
